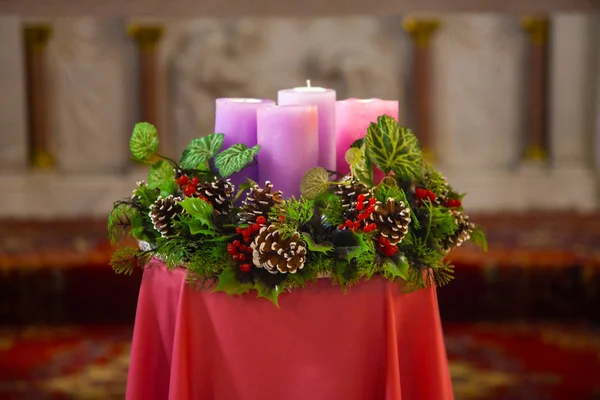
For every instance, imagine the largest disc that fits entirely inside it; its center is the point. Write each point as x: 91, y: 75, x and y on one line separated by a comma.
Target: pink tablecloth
x: 372, y: 343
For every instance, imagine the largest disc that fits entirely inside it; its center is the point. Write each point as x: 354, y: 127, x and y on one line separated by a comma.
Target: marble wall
x: 478, y: 98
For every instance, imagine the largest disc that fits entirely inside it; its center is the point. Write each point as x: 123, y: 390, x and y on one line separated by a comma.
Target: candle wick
x: 308, y: 83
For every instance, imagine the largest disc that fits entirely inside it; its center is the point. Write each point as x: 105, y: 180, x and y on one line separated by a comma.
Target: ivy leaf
x: 235, y: 158
x: 478, y: 237
x: 271, y: 294
x: 314, y: 182
x: 399, y: 269
x: 392, y: 147
x: 230, y: 285
x: 125, y: 260
x: 200, y: 210
x: 162, y: 176
x: 316, y: 247
x: 144, y: 141
x: 201, y: 150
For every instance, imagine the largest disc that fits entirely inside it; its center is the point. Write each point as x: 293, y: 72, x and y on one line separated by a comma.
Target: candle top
x: 309, y: 88
x: 243, y: 101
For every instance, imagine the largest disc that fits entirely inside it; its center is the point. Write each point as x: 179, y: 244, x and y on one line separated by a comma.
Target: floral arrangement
x: 347, y: 228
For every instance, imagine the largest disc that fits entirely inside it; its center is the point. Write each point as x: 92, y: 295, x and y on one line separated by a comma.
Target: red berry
x: 367, y: 229
x: 361, y: 216
x: 183, y: 180
x: 256, y: 227
x: 261, y: 220
x: 360, y: 205
x: 360, y: 198
x: 236, y: 243
x: 231, y: 250
x: 242, y: 247
x: 203, y: 198
x: 247, y: 232
x: 452, y: 203
x: 381, y: 240
x: 239, y: 231
x: 356, y: 224
x: 281, y: 218
x: 342, y: 226
x: 372, y: 201
x: 189, y: 190
x: 389, y: 250
x: 247, y: 239
x: 242, y: 257
x: 373, y: 226
x: 421, y: 193
x: 194, y: 181
x: 430, y: 195
x: 370, y: 210
x: 245, y: 267
x: 349, y: 223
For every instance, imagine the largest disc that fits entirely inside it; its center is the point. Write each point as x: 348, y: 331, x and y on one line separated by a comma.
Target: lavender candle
x: 353, y: 117
x: 289, y: 139
x: 236, y: 118
x: 324, y: 99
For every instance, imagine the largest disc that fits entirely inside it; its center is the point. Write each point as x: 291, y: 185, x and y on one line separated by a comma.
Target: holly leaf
x: 200, y: 210
x: 271, y: 294
x: 144, y: 141
x: 230, y: 285
x: 316, y: 247
x: 398, y: 269
x: 314, y: 183
x: 198, y: 227
x: 392, y: 147
x: 360, y: 247
x: 162, y: 176
x: 201, y: 150
x: 235, y: 158
x: 478, y: 237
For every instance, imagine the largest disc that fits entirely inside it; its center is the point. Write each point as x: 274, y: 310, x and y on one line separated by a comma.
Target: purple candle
x: 236, y: 118
x: 289, y: 139
x: 353, y: 117
x: 324, y: 99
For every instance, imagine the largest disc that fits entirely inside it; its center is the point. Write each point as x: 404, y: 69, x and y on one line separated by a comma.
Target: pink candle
x: 353, y: 117
x: 289, y: 141
x: 324, y: 99
x: 236, y: 118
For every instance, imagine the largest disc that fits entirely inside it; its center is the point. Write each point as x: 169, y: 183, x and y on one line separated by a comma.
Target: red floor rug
x: 487, y: 362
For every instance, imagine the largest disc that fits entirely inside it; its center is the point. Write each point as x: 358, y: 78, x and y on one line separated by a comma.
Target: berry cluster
x: 189, y: 186
x: 251, y: 229
x: 386, y: 247
x: 423, y: 194
x: 453, y: 203
x: 240, y: 252
x: 365, y: 211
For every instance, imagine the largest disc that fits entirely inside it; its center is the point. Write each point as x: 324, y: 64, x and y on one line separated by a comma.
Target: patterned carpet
x: 487, y: 361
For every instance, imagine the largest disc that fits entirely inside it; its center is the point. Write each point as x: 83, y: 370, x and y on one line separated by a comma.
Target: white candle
x: 324, y: 99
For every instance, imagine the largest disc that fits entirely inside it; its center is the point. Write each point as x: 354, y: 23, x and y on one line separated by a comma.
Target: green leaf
x: 144, y: 141
x: 230, y: 285
x: 352, y: 155
x: 360, y: 248
x: 316, y: 247
x: 200, y: 210
x: 392, y: 147
x: 161, y: 176
x: 235, y: 158
x: 120, y: 221
x: 399, y: 269
x: 125, y: 260
x: 201, y: 150
x: 362, y: 169
x: 478, y: 237
x: 314, y: 182
x: 271, y: 294
x: 199, y: 228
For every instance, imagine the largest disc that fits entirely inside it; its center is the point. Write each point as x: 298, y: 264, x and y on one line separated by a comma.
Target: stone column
x: 13, y: 111
x: 537, y: 134
x: 36, y: 39
x: 147, y: 38
x: 421, y: 31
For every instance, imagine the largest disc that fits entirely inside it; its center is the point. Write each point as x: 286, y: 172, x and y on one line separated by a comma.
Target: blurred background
x: 506, y: 106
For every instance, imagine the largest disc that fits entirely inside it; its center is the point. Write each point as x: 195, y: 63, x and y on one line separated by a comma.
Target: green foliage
x: 383, y: 192
x: 433, y: 180
x: 392, y: 147
x: 162, y: 177
x: 176, y: 251
x: 126, y: 259
x: 442, y: 274
x: 120, y: 221
x: 144, y: 141
x: 228, y: 283
x: 271, y: 294
x: 146, y: 196
x: 331, y: 208
x: 395, y: 268
x: 316, y: 247
x: 443, y: 223
x: 235, y: 158
x: 201, y: 150
x: 314, y: 182
x: 361, y: 166
x: 297, y: 212
x: 199, y: 210
x: 478, y: 237
x: 365, y: 260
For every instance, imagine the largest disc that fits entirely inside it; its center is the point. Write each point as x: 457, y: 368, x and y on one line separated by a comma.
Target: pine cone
x: 219, y: 193
x: 462, y: 233
x: 275, y: 254
x: 162, y: 213
x: 392, y: 219
x: 259, y: 202
x: 349, y: 195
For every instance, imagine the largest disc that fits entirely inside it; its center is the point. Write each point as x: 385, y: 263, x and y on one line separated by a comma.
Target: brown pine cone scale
x: 278, y: 255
